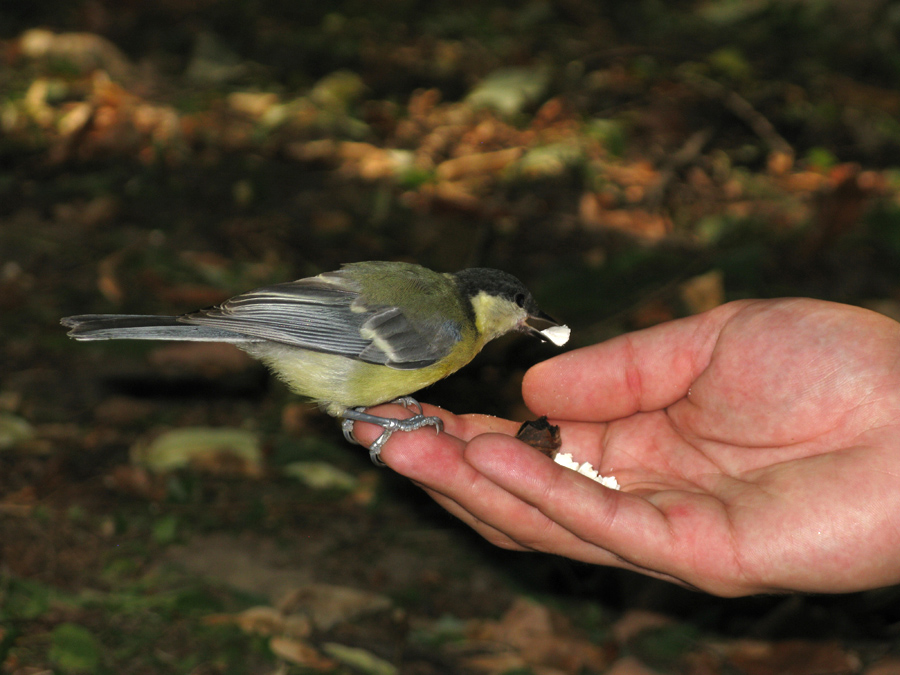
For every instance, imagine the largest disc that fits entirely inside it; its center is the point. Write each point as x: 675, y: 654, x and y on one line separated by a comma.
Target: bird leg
x: 389, y: 424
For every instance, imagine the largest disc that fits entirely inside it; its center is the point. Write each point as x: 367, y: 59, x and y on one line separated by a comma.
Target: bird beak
x: 538, y: 316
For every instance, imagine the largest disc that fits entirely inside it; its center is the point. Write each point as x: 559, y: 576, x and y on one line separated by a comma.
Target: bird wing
x: 329, y: 314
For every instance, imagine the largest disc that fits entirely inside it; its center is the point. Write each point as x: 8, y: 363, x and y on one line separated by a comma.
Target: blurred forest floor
x: 171, y: 510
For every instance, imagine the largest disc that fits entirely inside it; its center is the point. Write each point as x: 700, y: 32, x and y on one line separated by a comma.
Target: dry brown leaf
x: 641, y: 173
x: 629, y: 665
x: 297, y: 625
x: 355, y: 151
x: 327, y: 605
x: 75, y: 118
x: 300, y: 653
x: 495, y: 663
x: 261, y: 620
x: 253, y: 104
x: 791, y: 657
x: 485, y: 162
x: 456, y: 195
x: 325, y: 150
x: 543, y: 638
x: 85, y: 51
x: 779, y: 162
x: 652, y: 226
x: 803, y: 182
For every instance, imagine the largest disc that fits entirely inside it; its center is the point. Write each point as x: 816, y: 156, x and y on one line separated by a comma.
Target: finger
x: 661, y: 534
x: 435, y: 463
x: 429, y: 459
x: 461, y: 426
x: 438, y: 464
x: 641, y: 371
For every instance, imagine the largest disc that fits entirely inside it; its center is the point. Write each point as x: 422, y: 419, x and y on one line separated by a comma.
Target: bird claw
x: 389, y: 424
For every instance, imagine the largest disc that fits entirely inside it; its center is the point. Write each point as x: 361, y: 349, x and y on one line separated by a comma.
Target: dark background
x: 631, y: 162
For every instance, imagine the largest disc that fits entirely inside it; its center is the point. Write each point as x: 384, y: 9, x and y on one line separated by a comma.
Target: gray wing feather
x: 328, y: 314
x: 297, y: 313
x: 396, y: 341
x: 144, y: 327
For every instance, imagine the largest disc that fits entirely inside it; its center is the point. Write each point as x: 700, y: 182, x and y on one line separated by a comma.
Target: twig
x: 743, y: 110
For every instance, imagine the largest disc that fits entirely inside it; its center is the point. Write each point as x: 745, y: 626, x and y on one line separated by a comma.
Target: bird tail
x: 144, y: 327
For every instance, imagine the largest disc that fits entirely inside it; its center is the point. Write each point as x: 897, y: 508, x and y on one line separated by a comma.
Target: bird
x: 365, y: 334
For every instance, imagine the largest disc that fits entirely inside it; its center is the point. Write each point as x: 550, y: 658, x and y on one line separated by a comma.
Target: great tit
x: 366, y: 334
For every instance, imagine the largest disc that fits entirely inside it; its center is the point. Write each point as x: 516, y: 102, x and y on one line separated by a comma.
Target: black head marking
x: 497, y: 283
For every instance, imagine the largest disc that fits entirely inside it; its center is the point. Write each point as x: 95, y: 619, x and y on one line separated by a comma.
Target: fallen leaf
x: 779, y: 162
x: 254, y: 104
x: 221, y: 450
x: 327, y: 605
x: 14, y: 430
x: 549, y: 161
x: 359, y: 659
x: 629, y: 665
x: 484, y: 162
x: 261, y: 620
x: 509, y: 90
x: 320, y: 475
x: 542, y: 638
x: 791, y: 657
x: 641, y: 173
x: 504, y: 662
x: 300, y: 653
x: 85, y: 51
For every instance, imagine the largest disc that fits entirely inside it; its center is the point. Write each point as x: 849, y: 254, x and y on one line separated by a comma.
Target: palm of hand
x: 758, y: 447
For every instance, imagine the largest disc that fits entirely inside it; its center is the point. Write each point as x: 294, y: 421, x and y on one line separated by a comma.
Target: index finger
x: 641, y: 371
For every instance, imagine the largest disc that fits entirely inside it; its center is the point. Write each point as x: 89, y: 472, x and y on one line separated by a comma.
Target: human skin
x: 757, y: 446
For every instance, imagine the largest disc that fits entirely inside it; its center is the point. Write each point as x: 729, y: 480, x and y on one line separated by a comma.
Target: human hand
x: 757, y: 446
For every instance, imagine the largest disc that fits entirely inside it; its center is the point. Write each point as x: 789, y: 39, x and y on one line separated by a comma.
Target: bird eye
x: 520, y: 299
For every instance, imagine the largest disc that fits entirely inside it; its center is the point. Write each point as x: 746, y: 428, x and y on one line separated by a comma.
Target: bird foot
x: 389, y: 424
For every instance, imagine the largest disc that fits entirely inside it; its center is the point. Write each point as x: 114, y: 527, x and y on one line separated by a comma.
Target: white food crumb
x: 558, y: 335
x: 586, y: 469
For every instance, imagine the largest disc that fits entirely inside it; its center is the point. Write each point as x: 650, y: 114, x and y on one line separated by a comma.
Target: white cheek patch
x: 558, y: 335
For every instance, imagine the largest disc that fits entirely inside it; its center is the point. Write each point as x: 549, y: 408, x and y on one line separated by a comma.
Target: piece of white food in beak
x: 558, y: 335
